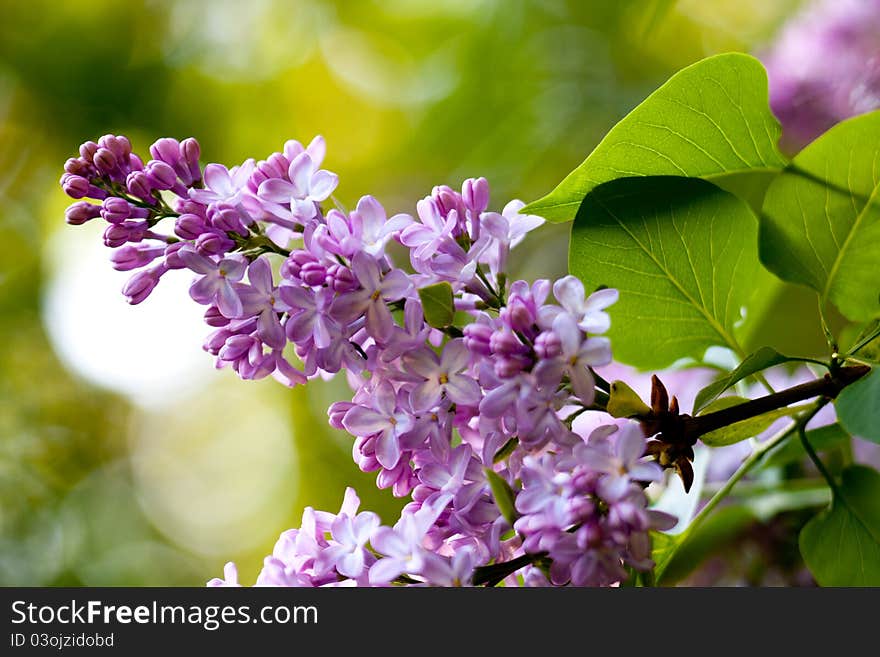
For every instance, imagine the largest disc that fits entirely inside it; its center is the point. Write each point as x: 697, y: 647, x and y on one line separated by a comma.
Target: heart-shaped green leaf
x: 820, y: 224
x: 841, y: 546
x: 710, y: 120
x: 683, y: 254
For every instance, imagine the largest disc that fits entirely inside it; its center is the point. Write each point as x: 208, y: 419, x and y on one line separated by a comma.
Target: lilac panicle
x: 295, y: 291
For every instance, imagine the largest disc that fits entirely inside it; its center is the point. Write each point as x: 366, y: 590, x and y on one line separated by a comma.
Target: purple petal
x: 388, y: 449
x: 260, y: 275
x: 583, y: 384
x: 352, y: 564
x: 569, y: 292
x: 395, y: 285
x: 300, y: 173
x: 455, y: 356
x: 362, y: 421
x: 204, y: 290
x: 228, y: 301
x: 276, y: 190
x: 322, y: 185
x: 197, y: 262
x: 366, y: 270
x: 270, y: 329
x: 386, y: 570
x: 426, y: 395
x: 379, y: 320
x: 463, y: 390
x: 630, y: 444
x: 217, y: 179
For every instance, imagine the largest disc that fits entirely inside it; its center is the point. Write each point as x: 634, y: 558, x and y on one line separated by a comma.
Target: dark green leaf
x: 710, y: 120
x: 504, y: 496
x: 858, y: 407
x: 623, y: 401
x: 438, y: 304
x: 820, y: 223
x: 841, y: 546
x: 791, y: 451
x: 683, y: 254
x: 745, y: 429
x: 760, y: 360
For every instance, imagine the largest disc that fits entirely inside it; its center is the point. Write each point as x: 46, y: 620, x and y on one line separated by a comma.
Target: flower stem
x: 753, y: 459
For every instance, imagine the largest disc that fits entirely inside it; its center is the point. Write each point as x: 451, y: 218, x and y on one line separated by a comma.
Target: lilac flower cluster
x: 825, y: 67
x: 439, y: 408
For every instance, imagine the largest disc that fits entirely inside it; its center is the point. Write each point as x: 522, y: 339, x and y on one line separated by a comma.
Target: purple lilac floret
x: 295, y: 291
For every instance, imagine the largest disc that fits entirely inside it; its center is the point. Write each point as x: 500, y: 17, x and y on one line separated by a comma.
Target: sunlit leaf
x: 710, y: 120
x: 820, y: 224
x: 683, y: 254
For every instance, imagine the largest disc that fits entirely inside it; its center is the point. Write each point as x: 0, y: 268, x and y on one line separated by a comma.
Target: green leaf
x: 760, y: 360
x: 437, y: 304
x: 504, y: 496
x: 745, y: 429
x: 791, y: 451
x: 841, y: 545
x: 623, y: 401
x: 710, y: 120
x: 683, y: 254
x: 820, y: 224
x: 858, y: 407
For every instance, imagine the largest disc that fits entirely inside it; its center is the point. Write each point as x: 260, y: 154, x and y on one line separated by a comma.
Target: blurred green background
x: 125, y: 458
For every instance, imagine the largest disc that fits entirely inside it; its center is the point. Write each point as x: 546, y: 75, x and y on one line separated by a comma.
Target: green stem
x: 865, y: 340
x: 817, y: 461
x: 752, y: 461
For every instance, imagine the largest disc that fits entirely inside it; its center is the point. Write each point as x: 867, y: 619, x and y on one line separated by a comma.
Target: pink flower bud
x: 81, y: 212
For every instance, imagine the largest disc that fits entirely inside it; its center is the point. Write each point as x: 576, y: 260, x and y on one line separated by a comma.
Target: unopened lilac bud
x: 214, y: 343
x: 75, y: 186
x: 337, y: 411
x: 188, y: 206
x: 505, y: 343
x: 190, y: 151
x: 105, y: 162
x: 81, y: 212
x: 291, y: 268
x: 135, y: 163
x: 313, y: 273
x: 138, y: 184
x: 447, y: 199
x: 548, y: 345
x: 228, y: 220
x: 518, y: 315
x: 160, y: 175
x: 475, y: 192
x: 139, y: 286
x: 87, y: 151
x: 213, y: 317
x: 128, y: 231
x: 78, y: 167
x: 189, y: 226
x: 120, y: 147
x: 172, y: 255
x: 131, y: 257
x: 167, y: 150
x: 477, y: 338
x: 214, y: 243
x: 236, y: 347
x: 341, y: 279
x: 115, y: 210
